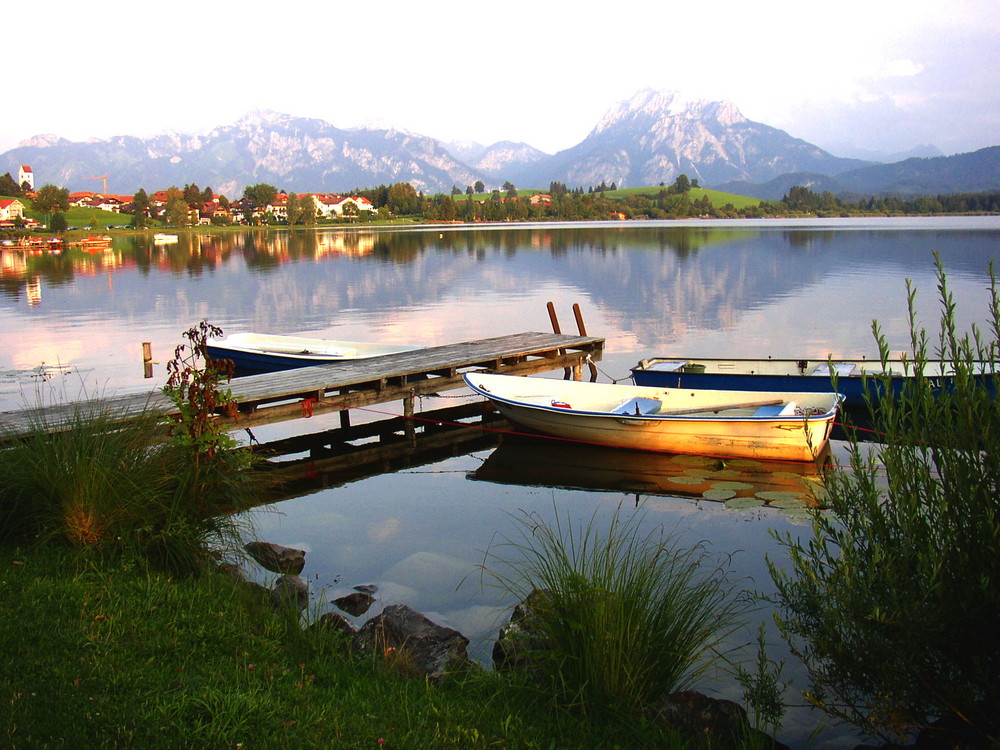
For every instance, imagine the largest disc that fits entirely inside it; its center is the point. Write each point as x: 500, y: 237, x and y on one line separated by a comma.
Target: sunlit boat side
x: 728, y: 424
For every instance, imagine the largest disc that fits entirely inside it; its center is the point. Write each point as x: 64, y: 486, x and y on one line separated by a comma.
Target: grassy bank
x: 102, y: 653
x: 123, y: 630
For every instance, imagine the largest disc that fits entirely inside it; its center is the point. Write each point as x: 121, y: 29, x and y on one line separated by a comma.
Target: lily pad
x: 686, y: 480
x: 774, y: 497
x: 743, y: 463
x: 792, y: 503
x: 686, y: 460
x: 744, y: 503
x: 699, y: 472
x: 731, y: 486
x: 718, y: 495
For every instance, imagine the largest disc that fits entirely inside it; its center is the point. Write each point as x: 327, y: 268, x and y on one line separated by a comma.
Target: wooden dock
x: 292, y: 394
x: 305, y: 463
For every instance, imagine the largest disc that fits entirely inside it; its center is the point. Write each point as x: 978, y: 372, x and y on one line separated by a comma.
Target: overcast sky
x: 883, y: 75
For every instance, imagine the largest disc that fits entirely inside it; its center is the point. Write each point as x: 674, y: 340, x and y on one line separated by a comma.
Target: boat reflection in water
x: 738, y: 483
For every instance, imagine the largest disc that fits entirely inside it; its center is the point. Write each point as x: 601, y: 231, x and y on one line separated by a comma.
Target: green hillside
x: 718, y: 198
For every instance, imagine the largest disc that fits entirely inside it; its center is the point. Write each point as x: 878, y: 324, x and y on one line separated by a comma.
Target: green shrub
x: 893, y: 602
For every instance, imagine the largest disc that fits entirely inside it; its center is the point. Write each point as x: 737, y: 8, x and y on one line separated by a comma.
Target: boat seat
x: 639, y: 405
x: 776, y: 410
x: 843, y: 369
x: 668, y: 366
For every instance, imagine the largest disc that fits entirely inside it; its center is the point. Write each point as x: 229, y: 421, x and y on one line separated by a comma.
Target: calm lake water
x: 75, y: 322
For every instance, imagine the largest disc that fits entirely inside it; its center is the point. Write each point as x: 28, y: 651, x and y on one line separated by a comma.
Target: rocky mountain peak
x: 262, y: 118
x: 646, y: 140
x: 650, y: 106
x: 42, y: 141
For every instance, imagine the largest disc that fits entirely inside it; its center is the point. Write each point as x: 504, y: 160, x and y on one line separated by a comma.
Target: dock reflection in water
x: 739, y: 483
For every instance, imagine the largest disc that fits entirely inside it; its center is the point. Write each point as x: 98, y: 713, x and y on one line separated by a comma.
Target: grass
x: 626, y: 616
x: 78, y: 217
x: 96, y: 654
x: 90, y: 475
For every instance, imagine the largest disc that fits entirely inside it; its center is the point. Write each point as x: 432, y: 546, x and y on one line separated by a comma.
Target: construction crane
x: 104, y: 181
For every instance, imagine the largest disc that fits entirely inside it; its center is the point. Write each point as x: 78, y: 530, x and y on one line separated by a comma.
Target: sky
x: 877, y: 75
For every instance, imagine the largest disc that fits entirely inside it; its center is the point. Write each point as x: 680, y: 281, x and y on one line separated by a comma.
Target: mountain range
x: 648, y: 140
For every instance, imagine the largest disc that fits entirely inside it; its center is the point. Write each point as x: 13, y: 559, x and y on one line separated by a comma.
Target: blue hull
x: 249, y: 363
x: 851, y: 387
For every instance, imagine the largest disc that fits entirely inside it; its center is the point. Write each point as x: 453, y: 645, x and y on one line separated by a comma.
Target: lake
x: 75, y: 323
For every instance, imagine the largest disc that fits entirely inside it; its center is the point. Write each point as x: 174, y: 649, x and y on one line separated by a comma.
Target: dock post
x: 345, y: 413
x: 408, y: 428
x: 555, y: 329
x: 583, y: 332
x: 147, y: 359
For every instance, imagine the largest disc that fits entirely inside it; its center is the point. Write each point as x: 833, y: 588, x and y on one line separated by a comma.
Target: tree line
x: 675, y: 201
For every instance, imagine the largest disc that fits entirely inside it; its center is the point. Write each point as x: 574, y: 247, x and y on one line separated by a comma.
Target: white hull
x: 309, y: 348
x: 728, y: 424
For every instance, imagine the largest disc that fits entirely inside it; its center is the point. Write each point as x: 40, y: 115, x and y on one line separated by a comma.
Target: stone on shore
x: 275, y: 558
x: 407, y: 637
x: 290, y: 591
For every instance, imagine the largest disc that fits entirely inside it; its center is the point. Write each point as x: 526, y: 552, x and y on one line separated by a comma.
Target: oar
x: 723, y: 407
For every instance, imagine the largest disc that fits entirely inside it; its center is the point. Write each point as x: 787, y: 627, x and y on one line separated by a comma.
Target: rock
x: 367, y: 588
x: 334, y: 623
x: 722, y: 724
x: 290, y: 591
x: 355, y: 604
x: 412, y: 642
x: 276, y: 558
x: 521, y: 637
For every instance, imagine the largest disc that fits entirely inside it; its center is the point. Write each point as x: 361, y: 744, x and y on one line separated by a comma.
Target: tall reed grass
x: 107, y: 480
x: 629, y: 616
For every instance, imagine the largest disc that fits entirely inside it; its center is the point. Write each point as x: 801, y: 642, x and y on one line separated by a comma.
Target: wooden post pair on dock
x: 575, y: 371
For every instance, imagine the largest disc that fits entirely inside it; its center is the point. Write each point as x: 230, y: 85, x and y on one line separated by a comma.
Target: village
x: 216, y: 209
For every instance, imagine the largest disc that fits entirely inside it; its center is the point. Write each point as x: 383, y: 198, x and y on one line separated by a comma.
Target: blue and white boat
x: 260, y: 352
x: 850, y: 377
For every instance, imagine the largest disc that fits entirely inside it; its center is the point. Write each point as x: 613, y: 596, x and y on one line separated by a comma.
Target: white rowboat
x: 729, y: 424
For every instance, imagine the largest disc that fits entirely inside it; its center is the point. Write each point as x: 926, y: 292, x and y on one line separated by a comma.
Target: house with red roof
x: 11, y: 210
x: 332, y: 206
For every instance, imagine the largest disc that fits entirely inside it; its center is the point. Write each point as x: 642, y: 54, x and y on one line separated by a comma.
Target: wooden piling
x: 583, y: 332
x: 147, y: 359
x: 554, y: 319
